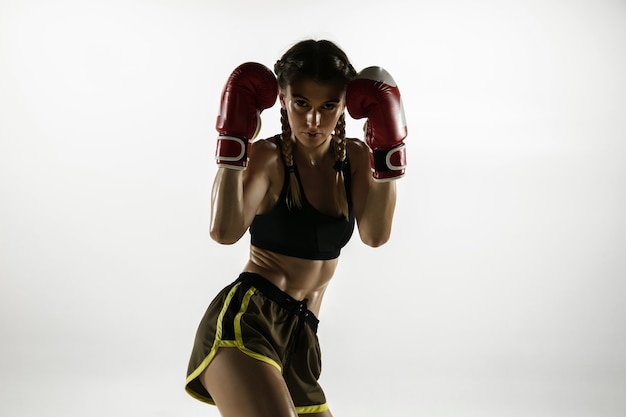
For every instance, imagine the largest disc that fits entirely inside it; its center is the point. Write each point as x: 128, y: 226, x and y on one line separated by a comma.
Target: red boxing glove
x: 374, y: 94
x: 250, y: 89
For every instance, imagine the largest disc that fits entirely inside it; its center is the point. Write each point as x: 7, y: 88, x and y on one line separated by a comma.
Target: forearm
x: 377, y: 218
x: 227, y: 207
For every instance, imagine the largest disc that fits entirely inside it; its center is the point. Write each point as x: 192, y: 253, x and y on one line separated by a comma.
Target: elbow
x: 375, y: 241
x: 223, y: 236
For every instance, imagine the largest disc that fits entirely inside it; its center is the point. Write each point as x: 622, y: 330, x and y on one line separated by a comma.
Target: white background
x: 500, y: 294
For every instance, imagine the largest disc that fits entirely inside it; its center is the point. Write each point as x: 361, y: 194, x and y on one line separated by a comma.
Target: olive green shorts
x: 260, y: 320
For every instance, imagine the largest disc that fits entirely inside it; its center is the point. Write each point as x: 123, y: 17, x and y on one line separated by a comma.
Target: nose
x: 313, y: 118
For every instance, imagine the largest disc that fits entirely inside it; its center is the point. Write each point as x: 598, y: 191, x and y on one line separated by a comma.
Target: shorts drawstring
x: 302, y: 313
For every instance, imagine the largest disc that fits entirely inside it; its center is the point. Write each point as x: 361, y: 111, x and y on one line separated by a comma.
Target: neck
x: 313, y: 156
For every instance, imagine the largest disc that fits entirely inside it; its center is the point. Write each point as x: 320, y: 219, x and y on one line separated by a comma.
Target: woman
x: 256, y: 351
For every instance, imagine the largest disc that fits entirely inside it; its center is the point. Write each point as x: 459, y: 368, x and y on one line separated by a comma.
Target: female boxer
x: 299, y: 194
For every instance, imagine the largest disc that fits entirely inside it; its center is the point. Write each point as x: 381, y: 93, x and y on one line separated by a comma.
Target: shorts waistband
x: 286, y: 301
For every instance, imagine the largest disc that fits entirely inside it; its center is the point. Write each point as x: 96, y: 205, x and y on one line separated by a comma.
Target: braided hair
x: 324, y: 62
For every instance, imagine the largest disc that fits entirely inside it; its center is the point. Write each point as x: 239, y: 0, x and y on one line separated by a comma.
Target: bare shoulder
x: 264, y: 165
x: 357, y: 146
x: 264, y: 154
x: 358, y: 151
x: 265, y: 149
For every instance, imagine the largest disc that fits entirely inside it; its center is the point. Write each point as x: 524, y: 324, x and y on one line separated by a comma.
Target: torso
x: 300, y: 278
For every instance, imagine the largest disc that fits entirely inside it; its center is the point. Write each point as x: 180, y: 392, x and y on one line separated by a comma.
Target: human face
x: 313, y: 110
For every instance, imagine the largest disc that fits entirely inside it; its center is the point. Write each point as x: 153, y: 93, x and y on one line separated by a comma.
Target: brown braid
x: 294, y: 195
x: 339, y: 191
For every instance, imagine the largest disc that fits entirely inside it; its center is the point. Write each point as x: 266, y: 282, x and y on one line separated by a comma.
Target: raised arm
x: 374, y: 95
x: 249, y: 90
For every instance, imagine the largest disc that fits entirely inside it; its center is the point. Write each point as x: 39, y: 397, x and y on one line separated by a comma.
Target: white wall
x: 500, y: 294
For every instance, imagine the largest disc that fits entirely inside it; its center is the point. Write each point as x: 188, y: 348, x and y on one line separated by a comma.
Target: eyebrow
x: 335, y: 100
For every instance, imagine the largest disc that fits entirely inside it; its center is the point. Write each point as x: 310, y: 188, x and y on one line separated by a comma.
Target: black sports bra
x: 303, y: 233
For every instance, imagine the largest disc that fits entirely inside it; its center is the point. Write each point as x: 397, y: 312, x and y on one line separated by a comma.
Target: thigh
x: 245, y: 387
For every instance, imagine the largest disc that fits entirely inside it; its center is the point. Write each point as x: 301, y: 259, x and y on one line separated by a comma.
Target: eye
x: 301, y: 103
x: 330, y: 106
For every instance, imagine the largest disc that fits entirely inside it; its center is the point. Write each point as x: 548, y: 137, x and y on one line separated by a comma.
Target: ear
x: 281, y: 98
